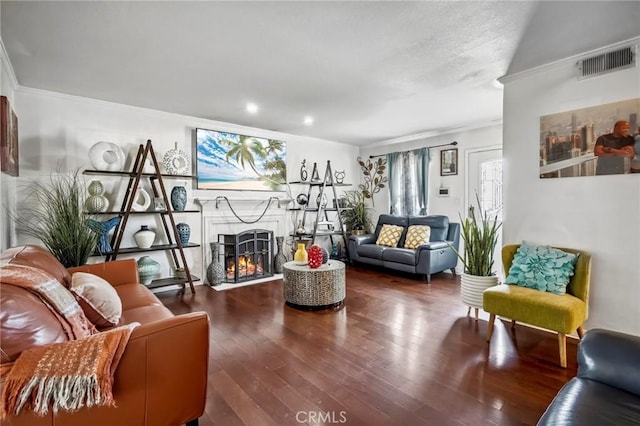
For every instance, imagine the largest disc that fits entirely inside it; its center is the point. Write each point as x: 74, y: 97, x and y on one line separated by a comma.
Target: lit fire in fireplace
x: 246, y: 267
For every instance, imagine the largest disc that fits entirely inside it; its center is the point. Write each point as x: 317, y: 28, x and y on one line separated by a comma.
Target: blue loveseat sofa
x: 433, y: 257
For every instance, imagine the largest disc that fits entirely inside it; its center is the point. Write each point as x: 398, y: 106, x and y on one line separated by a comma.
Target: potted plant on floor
x: 355, y: 215
x: 53, y: 212
x: 480, y: 236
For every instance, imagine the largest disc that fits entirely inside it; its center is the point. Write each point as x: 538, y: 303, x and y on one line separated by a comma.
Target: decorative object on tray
x: 184, y: 232
x: 159, y: 205
x: 314, y: 255
x: 302, y: 199
x: 103, y: 229
x: 215, y: 270
x: 303, y: 171
x: 301, y: 257
x: 279, y: 259
x: 8, y: 138
x: 339, y: 176
x: 176, y: 161
x: 179, y: 198
x: 106, y: 156
x: 96, y: 202
x: 146, y: 201
x: 325, y: 255
x: 144, y: 237
x: 147, y: 269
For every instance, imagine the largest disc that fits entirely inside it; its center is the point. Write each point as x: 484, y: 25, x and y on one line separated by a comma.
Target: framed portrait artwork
x: 449, y: 162
x: 8, y: 138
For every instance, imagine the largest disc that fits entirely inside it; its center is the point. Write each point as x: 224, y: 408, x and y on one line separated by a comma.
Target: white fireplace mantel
x: 222, y: 215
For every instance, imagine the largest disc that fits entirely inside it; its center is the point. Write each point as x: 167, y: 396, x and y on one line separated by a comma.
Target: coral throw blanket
x: 66, y: 375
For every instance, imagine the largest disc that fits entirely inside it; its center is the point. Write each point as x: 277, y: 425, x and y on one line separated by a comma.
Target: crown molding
x: 4, y: 56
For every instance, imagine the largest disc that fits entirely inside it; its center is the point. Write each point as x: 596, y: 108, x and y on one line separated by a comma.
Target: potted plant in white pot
x: 480, y: 236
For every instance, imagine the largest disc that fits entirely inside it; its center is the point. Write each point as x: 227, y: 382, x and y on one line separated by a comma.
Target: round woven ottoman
x: 313, y: 289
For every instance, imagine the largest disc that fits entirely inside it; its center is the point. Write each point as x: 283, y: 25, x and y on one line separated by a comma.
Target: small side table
x: 313, y: 289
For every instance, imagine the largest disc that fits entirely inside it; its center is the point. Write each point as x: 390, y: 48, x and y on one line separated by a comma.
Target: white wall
x: 599, y: 214
x: 57, y: 130
x: 467, y: 140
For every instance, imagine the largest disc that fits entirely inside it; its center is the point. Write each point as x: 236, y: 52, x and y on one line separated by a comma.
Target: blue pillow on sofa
x: 541, y: 267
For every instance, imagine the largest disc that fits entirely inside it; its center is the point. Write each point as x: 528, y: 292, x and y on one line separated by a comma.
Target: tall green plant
x: 356, y: 214
x: 480, y: 236
x: 53, y: 213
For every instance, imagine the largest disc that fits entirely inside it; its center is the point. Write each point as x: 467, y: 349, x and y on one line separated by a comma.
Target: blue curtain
x: 408, y: 182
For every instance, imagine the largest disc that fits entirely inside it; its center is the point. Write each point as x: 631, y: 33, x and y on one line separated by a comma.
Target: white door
x: 484, y: 178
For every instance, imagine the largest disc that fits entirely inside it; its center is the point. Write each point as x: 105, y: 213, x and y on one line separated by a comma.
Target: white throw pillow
x: 97, y: 298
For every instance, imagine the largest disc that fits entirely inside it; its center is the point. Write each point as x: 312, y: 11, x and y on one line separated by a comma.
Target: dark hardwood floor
x: 400, y: 352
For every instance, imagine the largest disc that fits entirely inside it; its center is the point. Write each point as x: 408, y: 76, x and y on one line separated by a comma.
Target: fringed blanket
x: 66, y: 375
x: 53, y: 294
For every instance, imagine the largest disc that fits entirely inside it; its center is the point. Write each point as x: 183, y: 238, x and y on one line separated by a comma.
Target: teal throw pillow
x: 542, y: 267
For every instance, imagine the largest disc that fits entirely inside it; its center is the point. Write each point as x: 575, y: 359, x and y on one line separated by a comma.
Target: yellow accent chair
x: 561, y: 313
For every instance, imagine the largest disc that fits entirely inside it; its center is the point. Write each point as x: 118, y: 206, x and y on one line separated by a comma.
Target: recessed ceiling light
x: 308, y: 120
x: 252, y: 108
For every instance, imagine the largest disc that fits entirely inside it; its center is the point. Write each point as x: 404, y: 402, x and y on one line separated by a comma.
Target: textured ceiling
x: 366, y: 71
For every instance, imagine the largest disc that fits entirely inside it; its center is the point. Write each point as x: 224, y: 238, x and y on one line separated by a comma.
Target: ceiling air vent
x: 607, y: 62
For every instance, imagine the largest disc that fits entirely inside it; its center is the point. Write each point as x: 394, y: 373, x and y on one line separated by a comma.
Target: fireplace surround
x: 247, y: 255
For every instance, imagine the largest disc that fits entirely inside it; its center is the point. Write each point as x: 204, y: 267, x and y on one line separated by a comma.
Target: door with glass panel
x: 484, y: 178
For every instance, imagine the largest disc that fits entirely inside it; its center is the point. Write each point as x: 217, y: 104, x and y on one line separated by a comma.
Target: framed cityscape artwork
x: 592, y: 141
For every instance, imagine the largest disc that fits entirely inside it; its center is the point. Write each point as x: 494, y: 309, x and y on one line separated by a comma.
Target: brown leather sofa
x: 162, y: 376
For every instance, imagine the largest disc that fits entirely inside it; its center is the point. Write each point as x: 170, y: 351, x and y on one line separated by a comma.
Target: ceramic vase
x: 215, y: 270
x: 179, y: 198
x: 184, y: 232
x: 96, y: 202
x: 144, y: 237
x: 147, y: 269
x: 301, y: 256
x: 314, y: 255
x: 279, y: 259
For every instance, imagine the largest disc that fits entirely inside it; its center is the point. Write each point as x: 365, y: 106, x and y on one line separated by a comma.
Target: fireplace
x: 247, y: 255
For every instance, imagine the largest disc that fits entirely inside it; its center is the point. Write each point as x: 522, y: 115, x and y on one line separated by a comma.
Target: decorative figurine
x: 315, y: 177
x: 303, y: 171
x: 339, y: 176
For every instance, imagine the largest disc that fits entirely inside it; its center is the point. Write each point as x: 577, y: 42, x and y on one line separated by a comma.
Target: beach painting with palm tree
x: 239, y: 162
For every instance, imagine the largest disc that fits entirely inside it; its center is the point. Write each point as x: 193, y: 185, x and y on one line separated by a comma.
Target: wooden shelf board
x: 124, y: 250
x: 164, y: 282
x: 133, y: 174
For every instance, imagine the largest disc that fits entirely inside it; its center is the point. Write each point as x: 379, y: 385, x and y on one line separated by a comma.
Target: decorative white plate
x: 106, y: 156
x: 176, y: 161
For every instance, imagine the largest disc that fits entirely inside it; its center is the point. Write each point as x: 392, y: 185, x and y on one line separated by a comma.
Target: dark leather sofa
x: 433, y: 257
x: 606, y: 390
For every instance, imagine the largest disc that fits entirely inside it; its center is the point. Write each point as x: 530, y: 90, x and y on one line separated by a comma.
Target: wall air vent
x: 607, y: 62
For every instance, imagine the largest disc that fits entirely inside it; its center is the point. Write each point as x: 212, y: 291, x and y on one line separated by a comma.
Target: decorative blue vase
x: 179, y: 198
x: 184, y: 232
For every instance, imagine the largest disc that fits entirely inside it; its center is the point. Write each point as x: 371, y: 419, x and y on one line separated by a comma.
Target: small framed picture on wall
x: 449, y: 162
